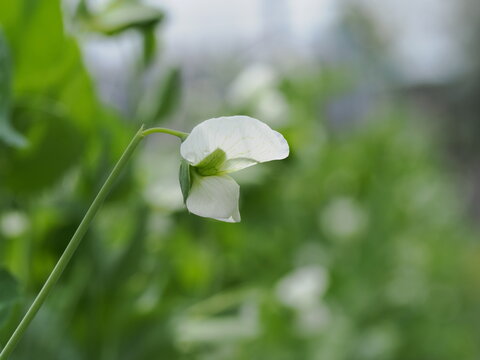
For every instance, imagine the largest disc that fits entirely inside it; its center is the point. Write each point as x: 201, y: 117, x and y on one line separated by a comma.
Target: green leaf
x: 212, y: 164
x: 170, y: 92
x: 55, y: 146
x: 161, y: 100
x: 123, y: 17
x: 185, y: 178
x: 54, y: 103
x: 50, y: 69
x: 149, y: 44
x: 9, y: 295
x: 39, y: 64
x: 7, y: 133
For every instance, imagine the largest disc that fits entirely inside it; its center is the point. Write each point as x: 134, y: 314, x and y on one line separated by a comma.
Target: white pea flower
x: 217, y: 147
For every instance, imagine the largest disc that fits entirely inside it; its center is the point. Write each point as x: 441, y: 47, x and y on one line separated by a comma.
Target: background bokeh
x: 363, y: 244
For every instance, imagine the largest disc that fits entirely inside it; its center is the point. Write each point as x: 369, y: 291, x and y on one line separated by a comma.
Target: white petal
x: 245, y: 141
x: 214, y: 197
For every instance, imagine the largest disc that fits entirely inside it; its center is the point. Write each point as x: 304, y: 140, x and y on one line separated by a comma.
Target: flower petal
x: 246, y: 141
x: 214, y: 197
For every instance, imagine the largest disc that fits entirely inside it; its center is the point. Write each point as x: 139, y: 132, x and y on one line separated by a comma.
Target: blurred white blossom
x: 272, y: 107
x: 303, y: 290
x: 303, y: 287
x: 14, y: 223
x: 252, y: 82
x: 245, y: 324
x: 343, y: 218
x: 313, y: 319
x: 256, y: 88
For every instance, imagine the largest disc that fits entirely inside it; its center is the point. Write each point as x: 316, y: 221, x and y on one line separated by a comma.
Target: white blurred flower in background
x: 314, y: 319
x: 343, y: 219
x: 273, y: 108
x: 244, y: 325
x: 256, y: 88
x: 251, y: 82
x: 13, y: 224
x: 303, y: 287
x: 303, y: 290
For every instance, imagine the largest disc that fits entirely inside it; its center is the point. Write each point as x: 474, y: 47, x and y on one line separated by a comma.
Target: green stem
x: 179, y: 134
x: 72, y: 245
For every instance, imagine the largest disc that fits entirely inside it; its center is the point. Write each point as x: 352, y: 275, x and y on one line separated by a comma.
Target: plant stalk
x: 72, y: 246
x: 176, y: 133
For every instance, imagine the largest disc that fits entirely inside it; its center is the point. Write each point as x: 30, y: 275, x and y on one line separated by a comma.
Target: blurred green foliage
x: 355, y: 247
x: 7, y: 134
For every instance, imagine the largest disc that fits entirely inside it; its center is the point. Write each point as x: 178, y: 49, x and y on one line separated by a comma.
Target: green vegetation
x: 355, y: 247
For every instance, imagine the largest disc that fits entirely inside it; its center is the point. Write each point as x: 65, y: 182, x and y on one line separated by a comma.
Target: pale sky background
x: 422, y: 36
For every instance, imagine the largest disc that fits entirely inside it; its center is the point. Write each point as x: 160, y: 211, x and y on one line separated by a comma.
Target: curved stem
x: 71, y: 247
x: 78, y: 235
x: 179, y: 134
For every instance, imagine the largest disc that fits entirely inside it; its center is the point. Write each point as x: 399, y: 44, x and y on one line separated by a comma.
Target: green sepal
x: 212, y: 164
x: 185, y: 178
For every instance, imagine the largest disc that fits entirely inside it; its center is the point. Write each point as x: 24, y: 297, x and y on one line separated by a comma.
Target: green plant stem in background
x: 77, y: 237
